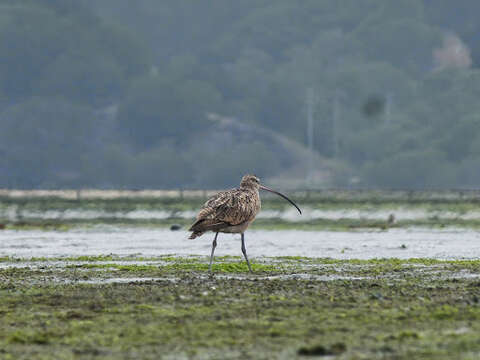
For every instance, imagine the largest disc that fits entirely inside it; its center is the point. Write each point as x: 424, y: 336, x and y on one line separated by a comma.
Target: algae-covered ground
x: 109, y: 307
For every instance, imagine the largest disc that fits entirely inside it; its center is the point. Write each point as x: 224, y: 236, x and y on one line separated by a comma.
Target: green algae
x: 401, y: 309
x: 181, y: 266
x: 127, y: 268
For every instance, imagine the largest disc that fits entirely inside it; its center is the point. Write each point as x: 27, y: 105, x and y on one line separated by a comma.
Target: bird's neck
x: 249, y: 188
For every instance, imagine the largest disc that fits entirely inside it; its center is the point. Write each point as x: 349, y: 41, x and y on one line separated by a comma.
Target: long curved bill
x: 283, y: 196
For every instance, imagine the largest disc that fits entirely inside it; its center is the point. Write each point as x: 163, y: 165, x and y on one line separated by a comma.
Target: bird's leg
x: 244, y: 251
x: 214, y: 245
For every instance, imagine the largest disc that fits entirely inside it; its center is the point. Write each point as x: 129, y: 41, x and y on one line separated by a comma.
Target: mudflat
x: 168, y: 307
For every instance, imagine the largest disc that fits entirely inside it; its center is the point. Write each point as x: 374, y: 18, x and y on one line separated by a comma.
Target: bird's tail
x: 195, y: 234
x: 203, y: 225
x: 196, y: 229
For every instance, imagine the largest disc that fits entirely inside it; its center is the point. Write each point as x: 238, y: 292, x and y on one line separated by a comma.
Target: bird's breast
x: 256, y: 204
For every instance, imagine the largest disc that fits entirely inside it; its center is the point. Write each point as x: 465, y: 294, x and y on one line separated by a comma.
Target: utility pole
x: 310, y: 101
x: 335, y: 119
x: 388, y: 108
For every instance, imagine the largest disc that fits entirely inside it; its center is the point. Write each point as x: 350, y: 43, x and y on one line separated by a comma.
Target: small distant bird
x: 232, y: 211
x: 391, y: 219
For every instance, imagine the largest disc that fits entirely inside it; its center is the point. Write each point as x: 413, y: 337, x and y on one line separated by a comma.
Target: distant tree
x: 451, y: 95
x: 90, y: 79
x: 30, y: 38
x: 404, y: 43
x: 218, y: 170
x: 410, y: 169
x: 49, y: 49
x: 373, y: 145
x: 281, y: 109
x: 162, y: 167
x: 148, y: 71
x: 457, y: 143
x: 157, y: 108
x: 42, y: 140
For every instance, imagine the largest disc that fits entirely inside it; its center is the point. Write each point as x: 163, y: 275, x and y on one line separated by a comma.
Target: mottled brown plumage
x: 229, y: 211
x: 232, y: 211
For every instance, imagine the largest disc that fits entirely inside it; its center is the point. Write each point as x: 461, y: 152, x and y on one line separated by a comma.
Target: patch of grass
x: 181, y: 265
x: 92, y: 258
x: 126, y: 268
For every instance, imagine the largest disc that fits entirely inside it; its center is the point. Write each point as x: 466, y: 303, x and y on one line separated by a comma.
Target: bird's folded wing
x: 233, y: 207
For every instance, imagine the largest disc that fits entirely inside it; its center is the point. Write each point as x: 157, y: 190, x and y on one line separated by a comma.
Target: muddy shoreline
x: 113, y: 307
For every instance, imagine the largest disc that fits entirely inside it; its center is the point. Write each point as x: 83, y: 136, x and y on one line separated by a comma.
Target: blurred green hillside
x: 116, y: 93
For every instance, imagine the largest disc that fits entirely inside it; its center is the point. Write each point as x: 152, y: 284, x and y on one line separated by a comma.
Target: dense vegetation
x: 114, y: 93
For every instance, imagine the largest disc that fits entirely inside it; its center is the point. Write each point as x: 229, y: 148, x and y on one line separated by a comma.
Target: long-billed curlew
x: 232, y: 211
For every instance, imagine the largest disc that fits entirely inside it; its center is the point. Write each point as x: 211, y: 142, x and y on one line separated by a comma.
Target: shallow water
x: 300, y: 276
x: 398, y: 243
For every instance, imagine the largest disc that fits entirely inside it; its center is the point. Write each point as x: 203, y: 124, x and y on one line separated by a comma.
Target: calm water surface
x: 398, y: 243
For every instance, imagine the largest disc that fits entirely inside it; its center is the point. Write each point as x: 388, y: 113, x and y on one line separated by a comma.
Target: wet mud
x: 168, y: 307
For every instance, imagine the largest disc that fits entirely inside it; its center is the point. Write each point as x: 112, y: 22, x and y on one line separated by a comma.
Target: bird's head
x: 253, y: 182
x: 250, y: 182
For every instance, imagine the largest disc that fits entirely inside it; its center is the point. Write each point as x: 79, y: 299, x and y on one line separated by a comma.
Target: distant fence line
x: 312, y: 194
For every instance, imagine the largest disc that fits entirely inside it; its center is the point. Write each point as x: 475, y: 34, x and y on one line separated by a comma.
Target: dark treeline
x: 115, y: 93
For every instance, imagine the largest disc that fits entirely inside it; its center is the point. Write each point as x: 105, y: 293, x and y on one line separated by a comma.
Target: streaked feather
x: 226, y: 209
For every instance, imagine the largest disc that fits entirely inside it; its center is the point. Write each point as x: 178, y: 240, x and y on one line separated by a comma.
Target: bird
x: 232, y: 211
